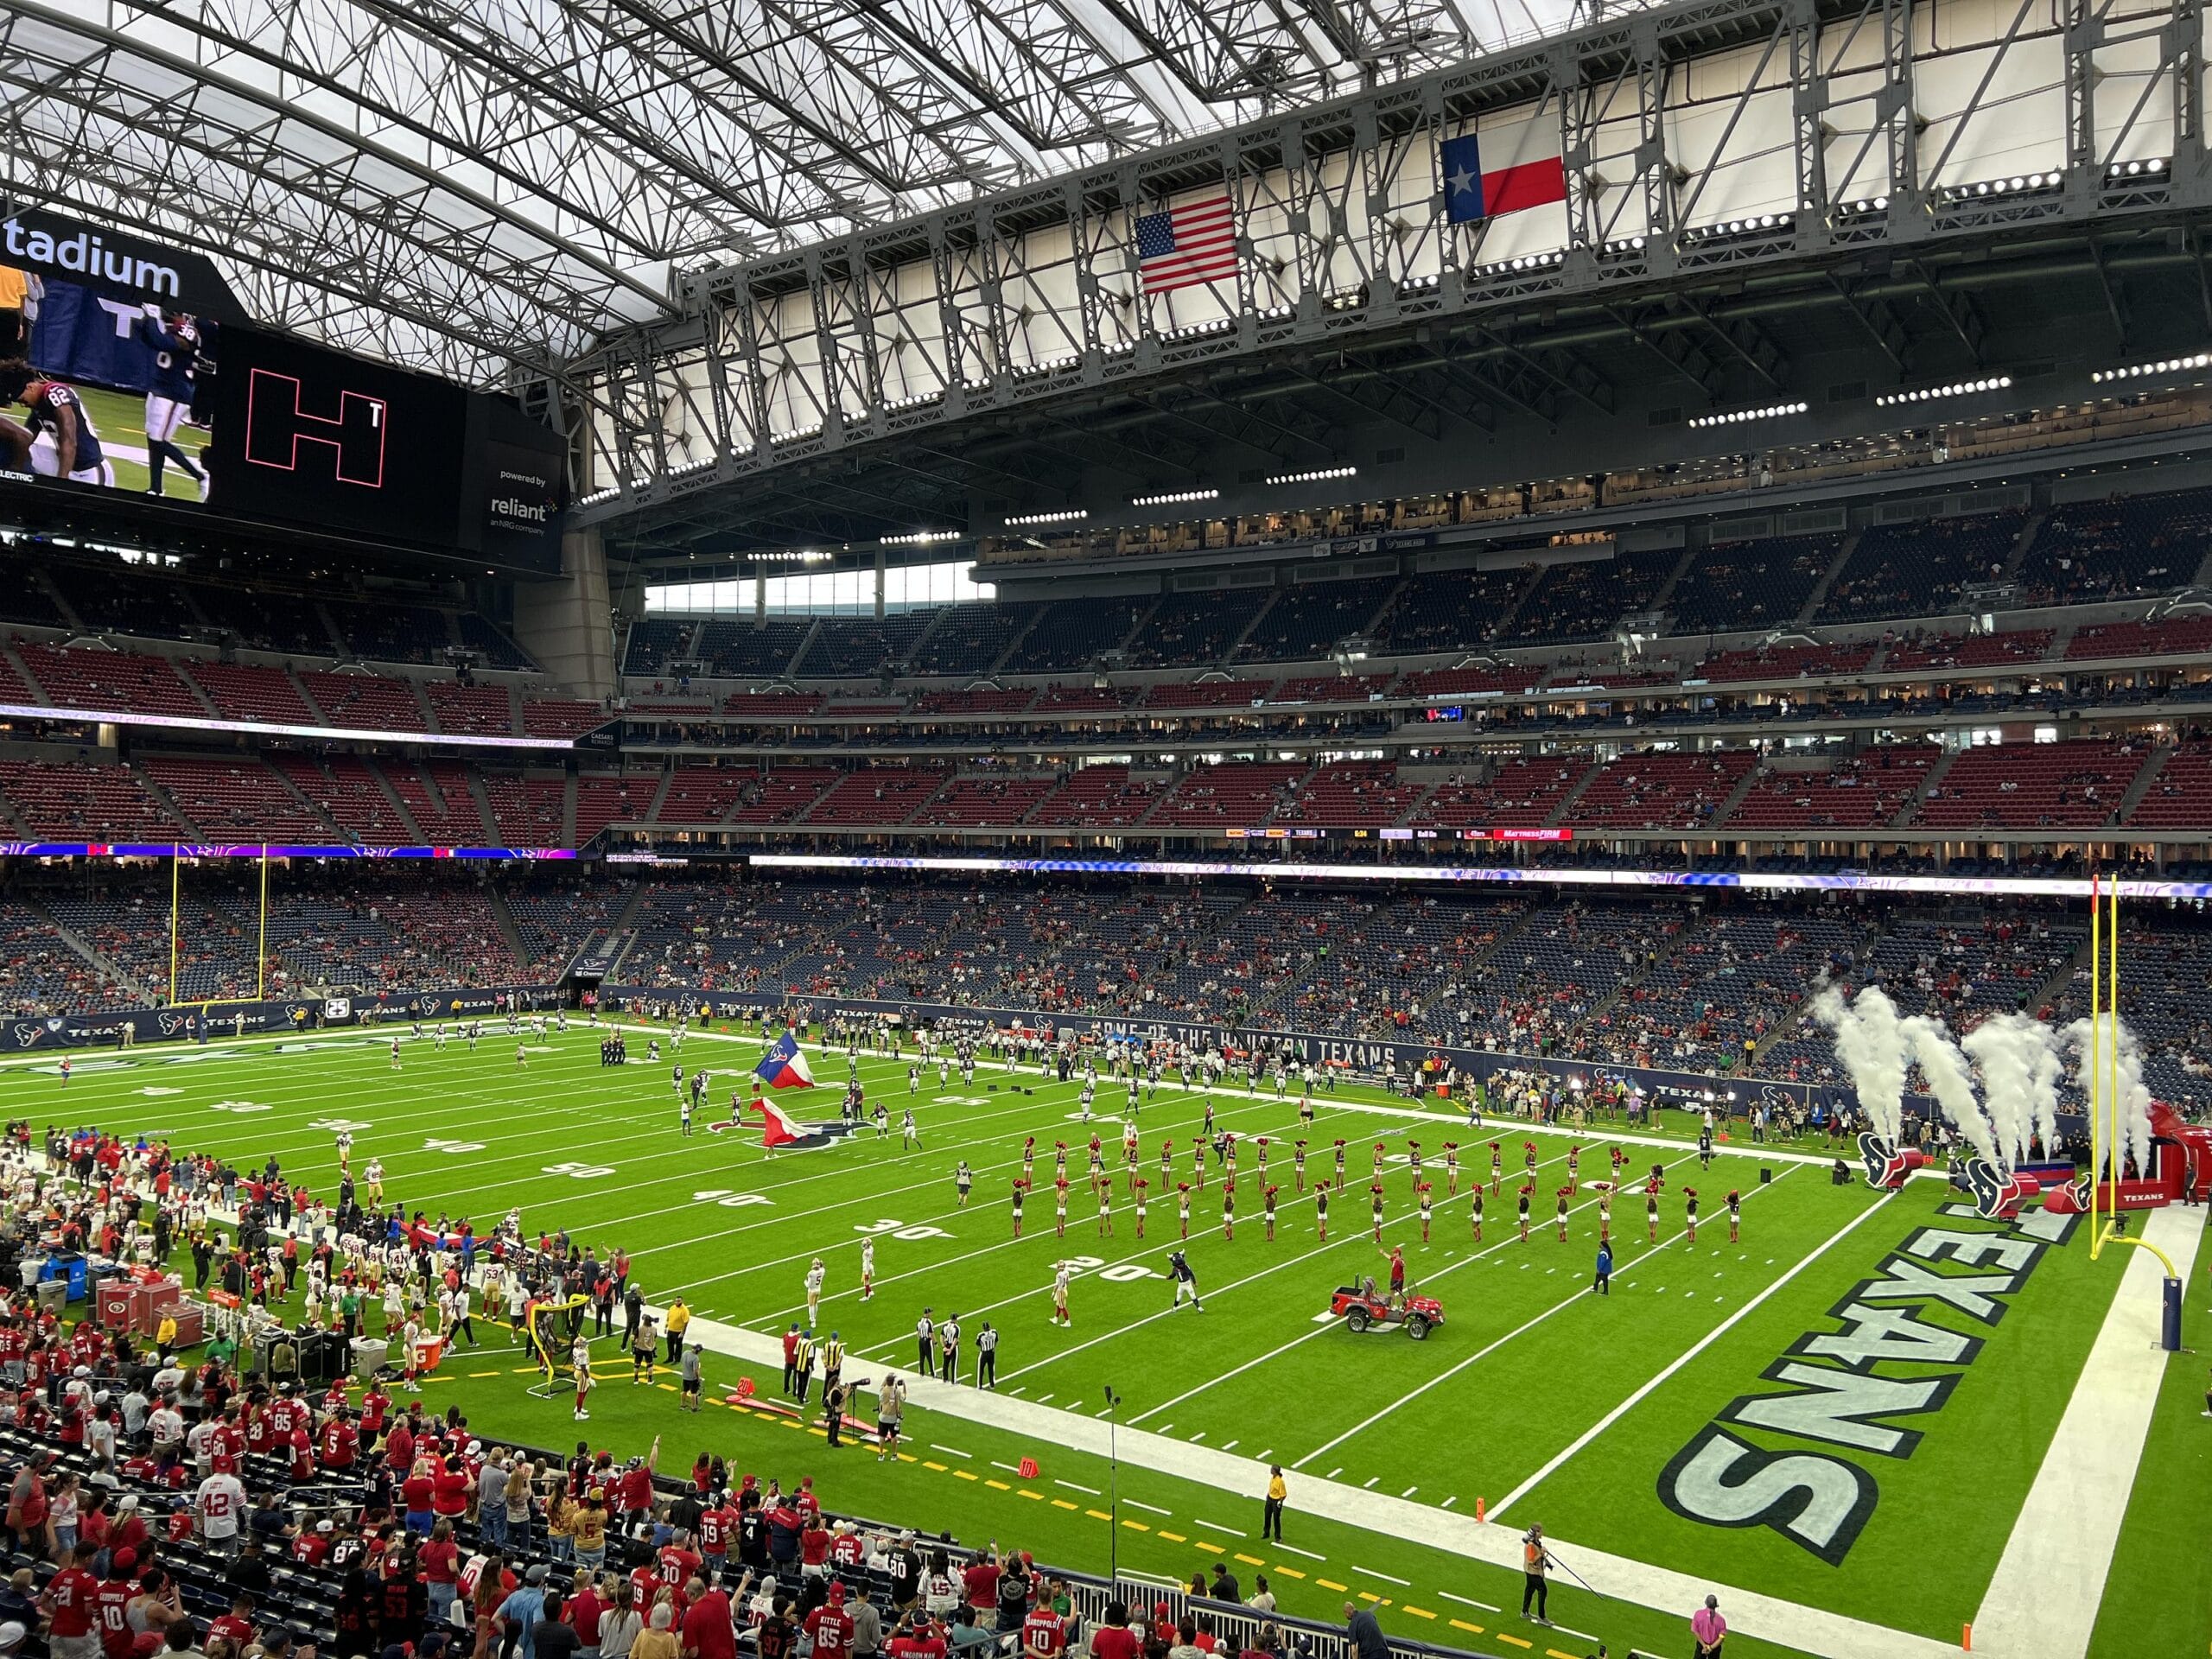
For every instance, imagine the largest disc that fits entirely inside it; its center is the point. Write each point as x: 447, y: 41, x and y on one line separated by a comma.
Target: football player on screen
x: 62, y: 443
x: 174, y: 338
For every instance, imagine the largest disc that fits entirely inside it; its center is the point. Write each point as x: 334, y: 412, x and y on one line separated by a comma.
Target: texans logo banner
x: 783, y: 1066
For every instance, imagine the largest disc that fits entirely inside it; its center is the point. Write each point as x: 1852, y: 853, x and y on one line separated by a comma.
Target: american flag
x: 1187, y: 243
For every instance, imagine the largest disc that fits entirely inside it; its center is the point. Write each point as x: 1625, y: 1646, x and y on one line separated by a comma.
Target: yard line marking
x: 1330, y: 1583
x: 1409, y: 1491
x: 1016, y: 1392
x: 1200, y: 1435
x: 1695, y: 1348
x: 1062, y: 1504
x: 1462, y: 1625
x: 951, y: 1452
x: 1008, y: 1467
x: 1287, y: 1572
x: 1265, y: 1455
x: 1034, y: 1497
x: 1333, y: 1474
x: 1450, y: 1501
x: 1044, y: 1399
x: 1568, y: 1631
x: 1098, y: 1514
x: 1284, y: 1348
x: 1138, y: 1504
x: 1136, y: 1526
x: 928, y: 1463
x: 998, y: 1485
x: 963, y: 1474
x: 1421, y: 1612
x: 1092, y: 1491
x: 1385, y: 1577
x: 1469, y: 1601
x: 1293, y: 1550
x: 1164, y: 1428
x: 1174, y: 1537
x: 1484, y: 1351
x: 1370, y: 1481
x: 1226, y: 1445
x: 1216, y: 1526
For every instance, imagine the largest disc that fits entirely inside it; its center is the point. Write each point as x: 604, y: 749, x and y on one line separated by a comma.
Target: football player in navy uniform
x: 57, y: 414
x: 175, y: 341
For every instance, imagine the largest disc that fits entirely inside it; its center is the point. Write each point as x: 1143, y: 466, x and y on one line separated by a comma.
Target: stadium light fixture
x: 2150, y: 371
x: 1956, y: 389
x: 1174, y: 498
x: 1319, y: 474
x: 2019, y: 184
x: 1065, y: 516
x: 1523, y: 265
x: 1751, y: 225
x: 921, y: 538
x: 2120, y: 172
x: 595, y: 497
x: 1738, y: 416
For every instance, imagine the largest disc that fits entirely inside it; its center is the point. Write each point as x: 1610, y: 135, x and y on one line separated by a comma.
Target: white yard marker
x: 1469, y: 1601
x: 1071, y: 1486
x: 951, y: 1452
x: 1008, y: 1467
x: 1690, y: 1353
x: 1385, y: 1577
x: 1211, y: 1526
x: 1293, y: 1550
x: 1138, y: 1504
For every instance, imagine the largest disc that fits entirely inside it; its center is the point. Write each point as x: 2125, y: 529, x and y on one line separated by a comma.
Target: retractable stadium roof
x: 466, y: 185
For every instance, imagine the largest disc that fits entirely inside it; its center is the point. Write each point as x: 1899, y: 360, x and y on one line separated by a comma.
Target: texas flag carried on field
x: 778, y: 1128
x: 783, y: 1066
x: 1503, y: 170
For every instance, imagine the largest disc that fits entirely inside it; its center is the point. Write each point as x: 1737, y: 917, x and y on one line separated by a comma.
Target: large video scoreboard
x: 124, y: 363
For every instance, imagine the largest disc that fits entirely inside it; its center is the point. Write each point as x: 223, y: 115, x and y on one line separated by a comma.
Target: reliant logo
x: 86, y: 254
x: 513, y: 507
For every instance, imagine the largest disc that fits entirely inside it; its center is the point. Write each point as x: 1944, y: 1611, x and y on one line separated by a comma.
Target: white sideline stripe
x: 1071, y: 1486
x: 1214, y: 1526
x: 1469, y: 1601
x: 1293, y: 1550
x: 1138, y: 1504
x: 949, y: 1450
x: 1385, y: 1577
x: 2044, y: 1597
x: 1008, y: 1467
x: 1689, y: 1353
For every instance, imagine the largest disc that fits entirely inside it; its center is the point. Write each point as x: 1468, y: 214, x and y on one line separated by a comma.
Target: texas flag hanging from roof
x: 783, y: 1066
x: 1503, y: 170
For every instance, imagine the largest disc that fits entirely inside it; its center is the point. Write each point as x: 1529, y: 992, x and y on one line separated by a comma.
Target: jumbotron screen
x: 127, y: 367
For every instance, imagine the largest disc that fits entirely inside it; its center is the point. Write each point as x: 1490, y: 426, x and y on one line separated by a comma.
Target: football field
x: 1845, y: 1410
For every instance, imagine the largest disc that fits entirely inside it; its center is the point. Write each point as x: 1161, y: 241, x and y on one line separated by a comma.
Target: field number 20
x: 1121, y: 1272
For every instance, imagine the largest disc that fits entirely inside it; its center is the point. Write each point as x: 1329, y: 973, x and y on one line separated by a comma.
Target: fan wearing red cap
x: 830, y: 1627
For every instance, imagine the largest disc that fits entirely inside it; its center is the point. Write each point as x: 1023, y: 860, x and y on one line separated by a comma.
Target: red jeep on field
x: 1362, y: 1306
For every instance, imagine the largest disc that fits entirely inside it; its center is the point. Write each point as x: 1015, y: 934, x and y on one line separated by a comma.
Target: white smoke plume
x: 2134, y: 1095
x: 2020, y: 1069
x: 1871, y: 1043
x: 1951, y: 1082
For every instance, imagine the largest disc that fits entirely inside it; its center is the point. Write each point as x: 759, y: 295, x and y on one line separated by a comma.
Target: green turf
x: 2160, y: 1589
x: 1526, y: 1363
